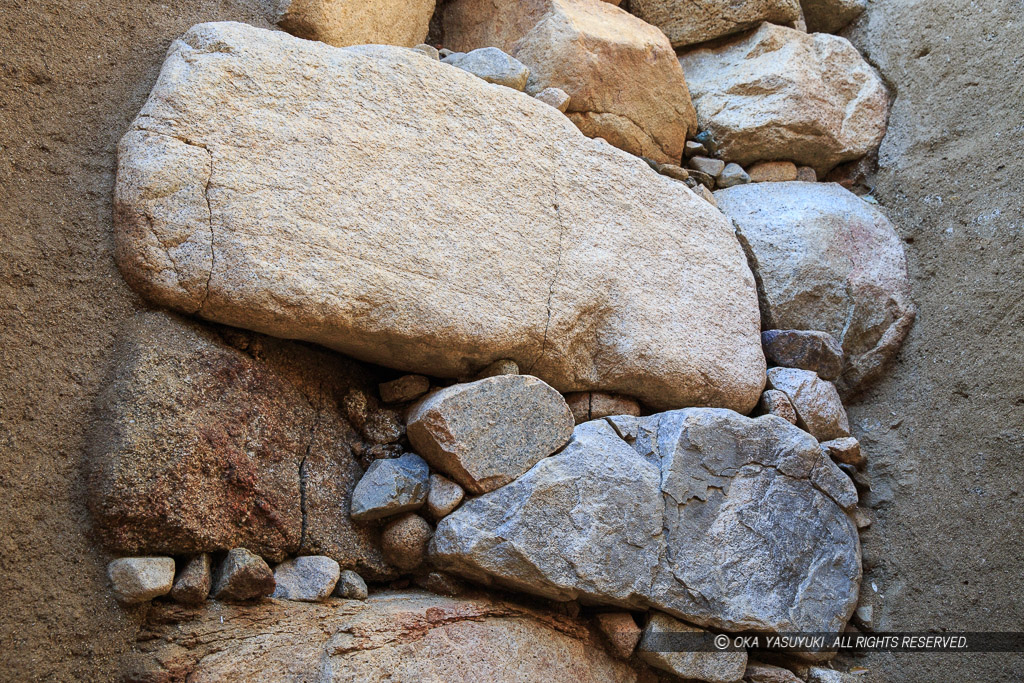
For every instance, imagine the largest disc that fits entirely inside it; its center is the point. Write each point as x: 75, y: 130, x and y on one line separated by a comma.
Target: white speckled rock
x: 470, y: 228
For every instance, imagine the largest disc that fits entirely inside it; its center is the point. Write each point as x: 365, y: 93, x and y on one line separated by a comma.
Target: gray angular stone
x: 804, y: 349
x: 732, y: 174
x: 140, y: 579
x: 826, y: 260
x: 845, y: 451
x: 759, y: 672
x: 404, y: 541
x: 390, y: 487
x: 492, y: 65
x: 428, y: 50
x: 192, y: 585
x: 775, y: 402
x: 818, y: 407
x: 694, y: 148
x: 834, y: 483
x: 486, y: 433
x: 707, y: 515
x: 309, y: 578
x: 713, y: 167
x: 443, y: 497
x: 351, y: 586
x: 556, y: 97
x: 405, y: 388
x: 713, y: 667
x: 243, y: 576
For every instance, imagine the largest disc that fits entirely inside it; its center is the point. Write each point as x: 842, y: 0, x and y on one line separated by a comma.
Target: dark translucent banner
x: 841, y: 642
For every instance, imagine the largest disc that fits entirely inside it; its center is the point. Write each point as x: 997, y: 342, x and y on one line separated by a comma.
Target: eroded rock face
x: 828, y: 16
x: 393, y: 636
x: 687, y: 22
x: 201, y: 446
x: 782, y: 94
x: 619, y: 72
x: 710, y: 516
x: 353, y: 22
x: 470, y: 228
x: 818, y: 407
x: 826, y: 260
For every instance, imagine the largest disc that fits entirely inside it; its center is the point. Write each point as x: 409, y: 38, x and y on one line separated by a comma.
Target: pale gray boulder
x: 140, y: 579
x: 492, y: 65
x: 309, y: 578
x: 818, y: 407
x: 351, y: 586
x: 243, y: 575
x: 391, y: 486
x: 712, y: 667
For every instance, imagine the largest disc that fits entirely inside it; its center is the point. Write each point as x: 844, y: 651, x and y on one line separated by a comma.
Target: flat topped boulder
x: 405, y: 212
x: 719, y: 519
x: 486, y: 433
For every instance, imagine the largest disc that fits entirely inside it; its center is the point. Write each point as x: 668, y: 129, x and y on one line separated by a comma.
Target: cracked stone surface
x: 620, y: 73
x: 707, y: 515
x: 826, y: 260
x: 209, y: 439
x: 391, y: 636
x: 418, y: 262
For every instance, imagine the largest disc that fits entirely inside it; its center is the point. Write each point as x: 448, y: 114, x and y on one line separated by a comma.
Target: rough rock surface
x: 392, y: 636
x: 486, y: 433
x: 443, y: 497
x: 353, y: 22
x: 556, y: 97
x: 193, y: 583
x: 621, y: 631
x: 138, y: 579
x: 773, y: 172
x: 201, y: 446
x: 775, y: 402
x: 198, y: 228
x: 818, y: 407
x: 713, y: 667
x: 593, y: 405
x: 492, y: 65
x: 804, y: 349
x: 782, y: 94
x: 619, y: 72
x: 242, y: 575
x: 826, y: 260
x: 310, y: 578
x: 845, y: 451
x: 391, y: 486
x: 687, y: 22
x: 759, y: 672
x: 404, y: 541
x: 350, y: 586
x: 405, y: 388
x: 703, y: 502
x: 828, y: 16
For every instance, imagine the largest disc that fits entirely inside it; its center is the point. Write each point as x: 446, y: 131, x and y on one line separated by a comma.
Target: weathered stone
x: 619, y: 72
x: 486, y: 433
x: 621, y: 631
x: 428, y: 50
x: 804, y: 349
x: 405, y: 388
x: 140, y: 579
x: 775, y: 402
x: 759, y: 672
x: 707, y: 195
x: 845, y: 451
x: 713, y: 167
x: 390, y: 487
x: 243, y: 576
x: 673, y: 171
x: 829, y: 16
x: 732, y: 174
x: 503, y: 250
x: 713, y: 667
x: 593, y: 405
x: 806, y: 174
x: 350, y: 586
x: 826, y: 260
x: 688, y: 22
x: 492, y: 65
x: 499, y: 367
x: 816, y: 401
x: 392, y: 636
x: 443, y: 497
x: 862, y: 518
x: 626, y: 426
x: 704, y: 179
x: 781, y: 94
x: 310, y: 578
x: 834, y: 483
x: 405, y: 540
x: 772, y: 172
x: 440, y: 583
x: 693, y: 148
x: 353, y: 22
x: 556, y: 97
x: 203, y: 447
x: 818, y: 674
x: 708, y: 515
x: 192, y: 585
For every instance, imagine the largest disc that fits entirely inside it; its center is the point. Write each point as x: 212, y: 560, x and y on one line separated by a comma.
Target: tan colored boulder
x: 829, y: 16
x: 688, y: 22
x: 782, y: 94
x: 826, y: 260
x: 470, y: 228
x: 391, y: 636
x: 353, y: 22
x: 619, y: 72
x: 772, y: 172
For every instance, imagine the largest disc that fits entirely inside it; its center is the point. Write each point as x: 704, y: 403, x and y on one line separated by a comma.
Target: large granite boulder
x: 620, y: 73
x: 353, y: 22
x: 722, y: 520
x: 782, y: 94
x: 486, y: 433
x: 826, y: 260
x: 202, y: 446
x: 432, y: 234
x: 688, y: 22
x: 392, y: 636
